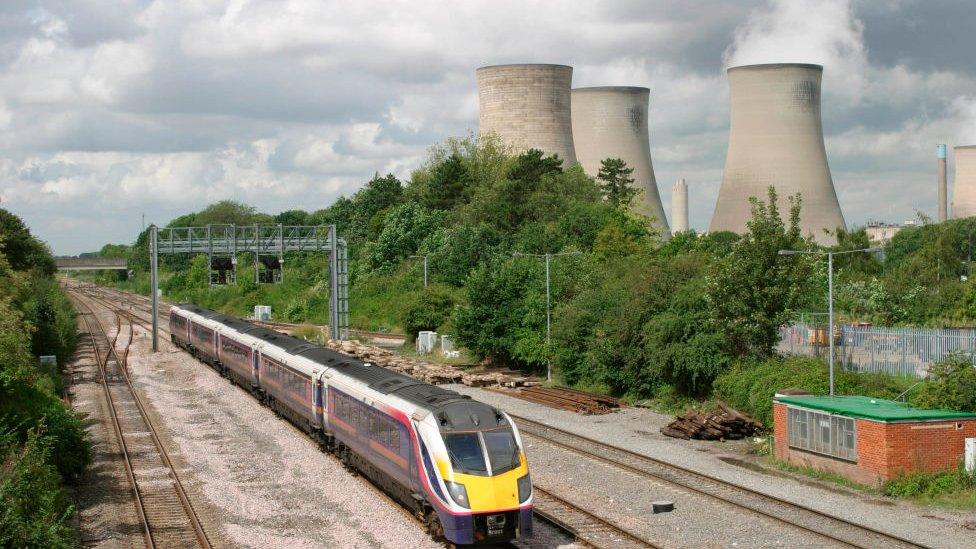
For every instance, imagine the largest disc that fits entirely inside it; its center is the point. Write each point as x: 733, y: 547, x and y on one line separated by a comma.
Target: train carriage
x: 454, y: 461
x: 237, y: 354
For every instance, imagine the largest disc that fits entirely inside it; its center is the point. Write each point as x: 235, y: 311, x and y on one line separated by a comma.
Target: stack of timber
x: 567, y: 399
x: 721, y: 423
x: 431, y: 372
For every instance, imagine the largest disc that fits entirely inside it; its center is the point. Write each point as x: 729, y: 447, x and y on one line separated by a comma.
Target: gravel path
x: 637, y: 430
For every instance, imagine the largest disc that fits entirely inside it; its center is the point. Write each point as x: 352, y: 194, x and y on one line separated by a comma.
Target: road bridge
x: 91, y: 264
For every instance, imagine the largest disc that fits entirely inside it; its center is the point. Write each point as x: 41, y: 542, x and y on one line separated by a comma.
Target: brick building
x: 867, y: 440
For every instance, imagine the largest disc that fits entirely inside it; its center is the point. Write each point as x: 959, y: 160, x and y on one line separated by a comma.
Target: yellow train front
x: 474, y: 461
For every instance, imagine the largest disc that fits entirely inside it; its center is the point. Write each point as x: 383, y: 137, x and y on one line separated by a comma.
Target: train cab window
x: 503, y: 452
x: 466, y: 453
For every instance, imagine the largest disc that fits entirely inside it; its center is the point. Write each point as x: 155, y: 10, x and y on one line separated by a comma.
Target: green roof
x: 870, y: 408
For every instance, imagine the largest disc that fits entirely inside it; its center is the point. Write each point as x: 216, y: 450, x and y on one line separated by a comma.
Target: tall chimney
x: 776, y: 139
x: 940, y: 151
x: 679, y: 207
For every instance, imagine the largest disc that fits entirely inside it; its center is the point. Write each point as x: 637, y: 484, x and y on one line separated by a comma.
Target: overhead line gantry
x: 261, y: 240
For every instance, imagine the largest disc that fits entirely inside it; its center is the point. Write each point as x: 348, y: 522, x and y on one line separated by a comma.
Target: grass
x: 820, y: 474
x: 948, y: 489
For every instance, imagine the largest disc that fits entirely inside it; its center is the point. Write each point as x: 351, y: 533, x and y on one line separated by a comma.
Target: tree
x: 453, y: 252
x: 530, y: 166
x: 754, y: 290
x: 447, y: 185
x: 428, y: 310
x: 504, y: 317
x: 229, y: 212
x: 615, y: 179
x: 404, y: 228
x: 24, y: 252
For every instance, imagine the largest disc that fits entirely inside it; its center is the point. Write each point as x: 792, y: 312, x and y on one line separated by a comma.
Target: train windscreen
x: 477, y: 453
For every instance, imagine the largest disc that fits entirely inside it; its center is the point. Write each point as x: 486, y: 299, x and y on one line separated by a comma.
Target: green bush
x: 428, y: 310
x: 951, y: 385
x: 750, y: 384
x: 34, y: 510
x: 928, y: 485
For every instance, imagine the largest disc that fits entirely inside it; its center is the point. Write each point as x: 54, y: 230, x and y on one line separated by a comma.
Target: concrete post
x: 154, y: 283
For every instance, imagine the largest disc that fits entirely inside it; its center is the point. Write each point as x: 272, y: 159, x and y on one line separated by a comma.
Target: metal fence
x: 901, y: 351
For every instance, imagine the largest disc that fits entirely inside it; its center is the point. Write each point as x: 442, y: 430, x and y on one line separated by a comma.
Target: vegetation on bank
x: 42, y: 444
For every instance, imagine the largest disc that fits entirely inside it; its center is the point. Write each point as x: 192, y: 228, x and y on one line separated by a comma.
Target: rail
x: 155, y: 518
x: 792, y: 514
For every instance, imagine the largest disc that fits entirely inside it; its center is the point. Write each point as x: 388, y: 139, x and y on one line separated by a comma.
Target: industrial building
x: 865, y: 439
x: 611, y: 122
x: 776, y: 139
x: 528, y: 106
x: 964, y: 187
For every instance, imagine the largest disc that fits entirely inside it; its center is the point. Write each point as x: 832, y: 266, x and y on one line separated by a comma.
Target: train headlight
x: 458, y: 493
x: 524, y: 488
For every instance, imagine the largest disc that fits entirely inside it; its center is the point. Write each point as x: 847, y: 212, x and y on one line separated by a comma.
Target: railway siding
x: 165, y: 512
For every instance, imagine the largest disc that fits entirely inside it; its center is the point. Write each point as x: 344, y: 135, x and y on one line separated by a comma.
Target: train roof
x: 453, y: 410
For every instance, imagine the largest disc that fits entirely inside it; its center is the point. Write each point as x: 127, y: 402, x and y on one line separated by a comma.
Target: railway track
x: 585, y: 525
x: 165, y: 513
x: 792, y: 514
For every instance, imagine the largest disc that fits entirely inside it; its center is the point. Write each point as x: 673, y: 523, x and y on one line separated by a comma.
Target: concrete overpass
x: 91, y: 264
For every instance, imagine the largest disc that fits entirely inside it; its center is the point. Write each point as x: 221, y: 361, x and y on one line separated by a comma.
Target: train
x: 456, y: 463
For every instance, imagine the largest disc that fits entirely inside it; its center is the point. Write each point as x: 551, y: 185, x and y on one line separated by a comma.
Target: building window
x: 827, y: 434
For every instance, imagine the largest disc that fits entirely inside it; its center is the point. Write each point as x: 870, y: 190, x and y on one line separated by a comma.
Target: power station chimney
x: 776, y: 138
x: 611, y: 122
x: 940, y: 152
x: 528, y: 106
x: 964, y: 187
x: 679, y: 207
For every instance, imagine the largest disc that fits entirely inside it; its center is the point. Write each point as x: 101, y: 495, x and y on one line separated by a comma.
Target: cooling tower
x: 964, y: 187
x: 940, y: 162
x: 679, y: 207
x: 611, y: 122
x: 776, y: 138
x: 527, y: 106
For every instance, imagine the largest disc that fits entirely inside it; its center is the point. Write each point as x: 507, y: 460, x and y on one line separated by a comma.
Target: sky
x: 114, y: 109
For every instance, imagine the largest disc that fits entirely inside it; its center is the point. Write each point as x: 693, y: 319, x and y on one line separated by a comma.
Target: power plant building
x: 611, y: 122
x: 964, y: 187
x: 679, y: 207
x: 528, y: 106
x: 776, y: 139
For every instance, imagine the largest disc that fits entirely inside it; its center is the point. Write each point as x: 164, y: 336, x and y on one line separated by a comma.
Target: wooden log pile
x: 721, y: 423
